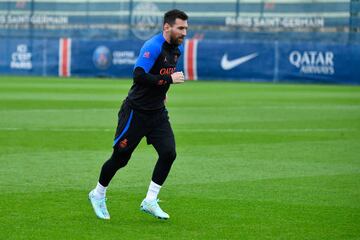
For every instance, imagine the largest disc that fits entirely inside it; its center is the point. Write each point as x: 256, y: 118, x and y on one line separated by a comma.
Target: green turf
x: 255, y: 161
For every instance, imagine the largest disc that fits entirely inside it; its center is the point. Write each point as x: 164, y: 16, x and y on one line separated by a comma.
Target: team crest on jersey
x: 146, y: 55
x: 123, y: 143
x: 161, y: 82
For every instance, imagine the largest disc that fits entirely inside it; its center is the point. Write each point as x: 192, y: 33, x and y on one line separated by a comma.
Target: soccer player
x: 143, y: 114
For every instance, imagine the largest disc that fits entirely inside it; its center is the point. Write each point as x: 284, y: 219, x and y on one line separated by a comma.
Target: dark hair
x: 171, y: 16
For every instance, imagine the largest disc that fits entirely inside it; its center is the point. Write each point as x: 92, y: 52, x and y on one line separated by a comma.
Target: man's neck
x: 166, y: 37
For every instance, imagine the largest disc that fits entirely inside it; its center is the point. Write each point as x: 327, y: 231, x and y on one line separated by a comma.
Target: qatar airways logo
x: 167, y: 71
x: 313, y: 62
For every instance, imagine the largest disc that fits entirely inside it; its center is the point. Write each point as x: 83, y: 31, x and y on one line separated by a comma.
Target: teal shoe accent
x: 99, y: 206
x: 153, y: 208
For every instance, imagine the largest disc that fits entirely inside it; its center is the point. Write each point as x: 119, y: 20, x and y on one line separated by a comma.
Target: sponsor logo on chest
x: 167, y: 71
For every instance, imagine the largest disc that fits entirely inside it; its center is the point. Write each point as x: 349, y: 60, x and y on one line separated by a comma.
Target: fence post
x: 131, y: 6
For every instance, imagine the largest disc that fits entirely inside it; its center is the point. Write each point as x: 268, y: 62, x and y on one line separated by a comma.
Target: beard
x: 176, y: 40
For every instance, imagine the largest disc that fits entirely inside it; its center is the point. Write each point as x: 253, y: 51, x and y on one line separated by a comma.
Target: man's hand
x: 178, y: 77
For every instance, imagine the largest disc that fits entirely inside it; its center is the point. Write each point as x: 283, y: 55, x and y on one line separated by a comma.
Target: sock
x: 153, y: 191
x: 99, y: 191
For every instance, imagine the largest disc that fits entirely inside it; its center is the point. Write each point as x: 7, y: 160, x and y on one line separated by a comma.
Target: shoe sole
x: 146, y: 211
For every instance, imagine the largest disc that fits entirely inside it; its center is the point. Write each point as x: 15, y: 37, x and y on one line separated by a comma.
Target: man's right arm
x: 147, y: 57
x: 141, y: 77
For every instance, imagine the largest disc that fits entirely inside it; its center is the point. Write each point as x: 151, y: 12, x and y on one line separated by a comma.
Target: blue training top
x: 152, y: 73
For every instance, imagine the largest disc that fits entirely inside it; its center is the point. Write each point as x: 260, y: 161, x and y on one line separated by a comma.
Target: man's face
x: 178, y: 31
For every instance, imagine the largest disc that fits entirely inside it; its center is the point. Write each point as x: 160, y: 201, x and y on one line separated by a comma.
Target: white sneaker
x: 153, y: 208
x: 99, y: 206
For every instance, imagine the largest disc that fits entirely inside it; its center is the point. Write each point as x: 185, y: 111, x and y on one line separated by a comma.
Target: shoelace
x: 155, y: 205
x: 103, y: 206
x: 102, y: 203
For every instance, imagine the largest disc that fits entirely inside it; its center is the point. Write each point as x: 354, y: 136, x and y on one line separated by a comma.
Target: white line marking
x: 320, y: 107
x: 237, y: 130
x: 224, y: 130
x: 59, y: 110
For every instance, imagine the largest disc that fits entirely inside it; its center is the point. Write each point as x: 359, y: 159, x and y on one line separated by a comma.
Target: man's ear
x: 167, y: 27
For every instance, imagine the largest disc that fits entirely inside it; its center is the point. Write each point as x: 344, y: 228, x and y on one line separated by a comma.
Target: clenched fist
x: 178, y: 77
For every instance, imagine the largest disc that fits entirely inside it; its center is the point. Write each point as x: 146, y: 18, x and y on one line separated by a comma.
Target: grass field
x: 255, y: 161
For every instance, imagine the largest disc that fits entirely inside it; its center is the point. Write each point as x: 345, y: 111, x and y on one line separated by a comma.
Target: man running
x: 143, y: 114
